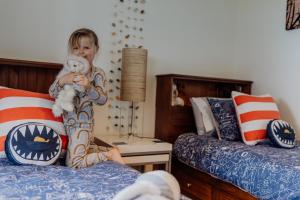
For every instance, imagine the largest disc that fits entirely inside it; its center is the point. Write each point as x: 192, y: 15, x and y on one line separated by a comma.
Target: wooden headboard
x: 28, y: 75
x: 171, y: 121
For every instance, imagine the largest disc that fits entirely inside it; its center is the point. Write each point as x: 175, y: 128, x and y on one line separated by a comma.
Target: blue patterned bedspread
x: 101, y: 181
x: 264, y: 171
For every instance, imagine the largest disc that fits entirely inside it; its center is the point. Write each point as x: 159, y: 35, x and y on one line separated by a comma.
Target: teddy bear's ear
x: 67, y: 64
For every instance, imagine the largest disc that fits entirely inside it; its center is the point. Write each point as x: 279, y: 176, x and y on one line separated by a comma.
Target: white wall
x: 268, y: 54
x: 182, y: 36
x: 39, y: 30
x: 187, y: 37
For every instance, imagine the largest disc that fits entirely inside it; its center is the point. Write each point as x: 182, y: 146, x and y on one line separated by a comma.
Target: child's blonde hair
x: 78, y: 34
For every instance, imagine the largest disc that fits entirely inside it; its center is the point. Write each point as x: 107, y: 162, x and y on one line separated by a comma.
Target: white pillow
x: 203, y: 116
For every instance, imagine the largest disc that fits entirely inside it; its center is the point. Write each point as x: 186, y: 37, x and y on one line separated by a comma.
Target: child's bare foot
x: 115, y: 155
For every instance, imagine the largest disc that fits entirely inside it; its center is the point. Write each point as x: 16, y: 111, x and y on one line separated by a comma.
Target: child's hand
x: 82, y: 80
x: 67, y: 79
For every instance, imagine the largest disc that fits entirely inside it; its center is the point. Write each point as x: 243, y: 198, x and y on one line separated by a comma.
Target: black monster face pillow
x: 33, y: 143
x: 281, y: 134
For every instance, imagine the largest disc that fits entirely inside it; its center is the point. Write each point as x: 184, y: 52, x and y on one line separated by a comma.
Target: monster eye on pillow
x: 281, y: 134
x: 33, y: 143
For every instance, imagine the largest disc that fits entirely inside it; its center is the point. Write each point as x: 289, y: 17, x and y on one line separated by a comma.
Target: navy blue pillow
x: 225, y: 118
x: 281, y: 134
x: 33, y: 143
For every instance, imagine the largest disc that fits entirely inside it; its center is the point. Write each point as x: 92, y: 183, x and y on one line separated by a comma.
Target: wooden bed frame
x: 171, y: 121
x: 28, y: 75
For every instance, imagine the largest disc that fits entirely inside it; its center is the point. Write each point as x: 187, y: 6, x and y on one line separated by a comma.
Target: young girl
x: 79, y: 123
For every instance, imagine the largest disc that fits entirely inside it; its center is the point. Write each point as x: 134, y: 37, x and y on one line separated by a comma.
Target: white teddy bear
x: 64, y: 100
x: 176, y: 100
x: 154, y: 185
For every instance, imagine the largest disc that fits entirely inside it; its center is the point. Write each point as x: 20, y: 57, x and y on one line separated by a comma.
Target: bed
x: 101, y: 181
x: 265, y: 171
x: 207, y: 168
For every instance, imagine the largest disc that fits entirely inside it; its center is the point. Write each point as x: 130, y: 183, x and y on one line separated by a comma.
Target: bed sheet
x: 263, y: 170
x: 101, y: 181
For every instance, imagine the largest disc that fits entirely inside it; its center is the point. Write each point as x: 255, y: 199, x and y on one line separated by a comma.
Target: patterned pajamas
x: 79, y: 123
x: 80, y: 152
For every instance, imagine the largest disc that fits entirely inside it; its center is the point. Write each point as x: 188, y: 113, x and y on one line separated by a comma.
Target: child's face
x: 86, y: 49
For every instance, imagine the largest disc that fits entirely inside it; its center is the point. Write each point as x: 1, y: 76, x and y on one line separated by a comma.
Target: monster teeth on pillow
x: 276, y: 126
x: 281, y: 133
x: 34, y: 142
x: 35, y: 131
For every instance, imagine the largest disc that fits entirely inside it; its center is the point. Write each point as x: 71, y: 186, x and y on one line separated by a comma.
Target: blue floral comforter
x: 101, y: 181
x: 264, y: 171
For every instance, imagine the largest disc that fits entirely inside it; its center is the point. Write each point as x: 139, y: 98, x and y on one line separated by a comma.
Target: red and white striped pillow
x: 20, y: 106
x: 254, y: 113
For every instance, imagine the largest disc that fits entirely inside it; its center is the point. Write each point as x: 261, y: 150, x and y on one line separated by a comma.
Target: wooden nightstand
x: 141, y: 151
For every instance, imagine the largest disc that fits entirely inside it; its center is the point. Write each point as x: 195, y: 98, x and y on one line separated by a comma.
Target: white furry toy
x: 176, y: 100
x: 155, y: 185
x: 64, y: 100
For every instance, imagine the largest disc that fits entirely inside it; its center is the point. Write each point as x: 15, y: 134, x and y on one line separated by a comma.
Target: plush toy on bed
x: 281, y: 134
x: 155, y: 185
x: 176, y: 100
x: 64, y: 101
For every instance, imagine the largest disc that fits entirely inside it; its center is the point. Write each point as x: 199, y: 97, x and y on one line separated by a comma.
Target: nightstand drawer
x: 151, y: 159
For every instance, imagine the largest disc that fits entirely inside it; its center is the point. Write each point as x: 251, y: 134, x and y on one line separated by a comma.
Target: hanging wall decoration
x: 127, y: 31
x: 292, y: 14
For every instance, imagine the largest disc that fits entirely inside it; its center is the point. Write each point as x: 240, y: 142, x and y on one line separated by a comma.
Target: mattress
x: 263, y: 170
x: 101, y: 181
